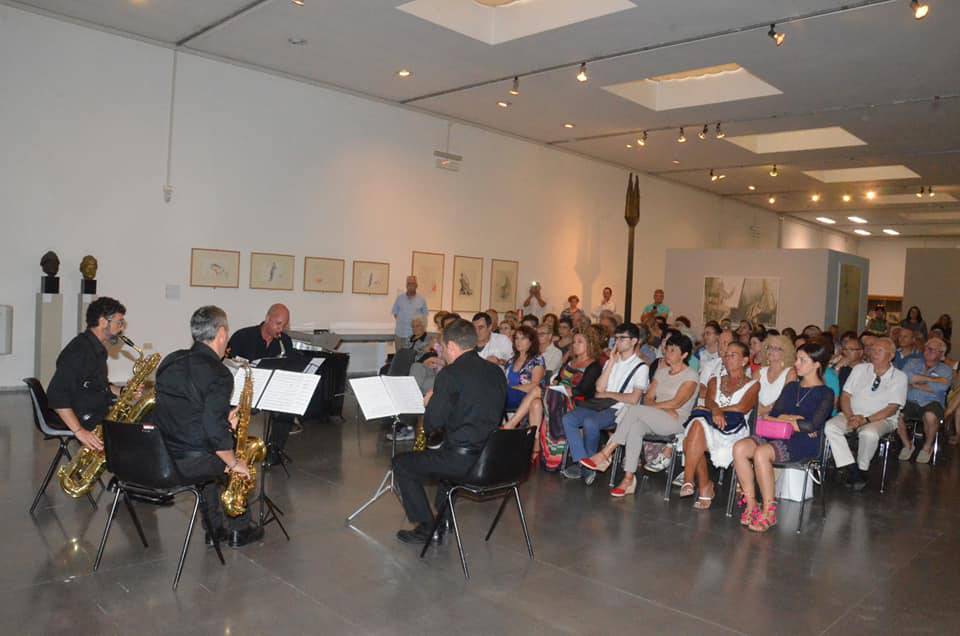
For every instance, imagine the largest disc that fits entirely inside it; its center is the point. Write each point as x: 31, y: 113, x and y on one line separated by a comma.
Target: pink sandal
x: 763, y: 522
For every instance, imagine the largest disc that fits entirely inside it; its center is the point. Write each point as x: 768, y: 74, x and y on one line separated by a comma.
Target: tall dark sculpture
x: 631, y: 214
x: 50, y: 264
x: 88, y: 268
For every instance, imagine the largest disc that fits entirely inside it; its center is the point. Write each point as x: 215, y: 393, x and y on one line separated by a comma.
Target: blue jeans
x: 583, y: 445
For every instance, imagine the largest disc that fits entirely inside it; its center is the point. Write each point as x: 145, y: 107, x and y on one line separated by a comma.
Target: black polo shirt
x: 468, y: 401
x: 80, y: 381
x: 193, y: 401
x: 248, y: 343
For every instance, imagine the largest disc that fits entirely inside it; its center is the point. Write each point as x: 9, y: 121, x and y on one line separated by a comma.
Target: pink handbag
x: 772, y: 429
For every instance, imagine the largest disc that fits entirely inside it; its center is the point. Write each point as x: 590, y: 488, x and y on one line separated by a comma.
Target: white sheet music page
x: 260, y: 377
x: 314, y: 365
x: 289, y: 392
x: 405, y: 393
x: 372, y: 397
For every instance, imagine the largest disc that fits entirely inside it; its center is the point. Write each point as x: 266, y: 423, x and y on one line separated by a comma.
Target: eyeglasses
x: 120, y: 321
x: 876, y: 383
x: 934, y: 350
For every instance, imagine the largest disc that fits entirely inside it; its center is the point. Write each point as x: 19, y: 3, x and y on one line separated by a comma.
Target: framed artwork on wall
x: 467, y: 284
x: 271, y: 271
x: 371, y: 277
x: 503, y: 284
x: 214, y: 268
x: 428, y: 268
x: 323, y: 274
x: 737, y: 298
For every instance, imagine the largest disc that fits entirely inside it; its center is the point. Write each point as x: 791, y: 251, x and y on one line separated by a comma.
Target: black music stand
x: 387, y: 484
x: 264, y: 517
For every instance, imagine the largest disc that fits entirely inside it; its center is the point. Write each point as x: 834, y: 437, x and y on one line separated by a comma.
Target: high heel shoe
x: 763, y: 522
x: 619, y: 492
x: 601, y: 466
x: 748, y: 514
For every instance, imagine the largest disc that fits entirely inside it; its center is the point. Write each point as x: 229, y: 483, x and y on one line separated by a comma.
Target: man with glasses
x: 851, y: 354
x: 869, y: 403
x: 79, y: 391
x: 929, y: 379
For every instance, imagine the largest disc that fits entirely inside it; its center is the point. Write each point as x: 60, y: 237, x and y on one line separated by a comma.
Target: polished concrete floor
x: 878, y: 564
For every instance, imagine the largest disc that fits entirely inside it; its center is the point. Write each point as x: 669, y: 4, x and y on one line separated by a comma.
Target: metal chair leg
x: 186, y: 539
x: 615, y: 465
x: 823, y: 490
x: 496, y: 519
x: 436, y: 526
x: 731, y: 493
x: 803, y: 498
x: 46, y: 480
x: 523, y: 523
x: 883, y: 468
x: 106, y: 530
x: 674, y: 456
x: 136, y: 519
x: 456, y: 533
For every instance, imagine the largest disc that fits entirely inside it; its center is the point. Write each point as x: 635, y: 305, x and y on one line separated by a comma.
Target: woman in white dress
x: 777, y: 356
x: 719, y: 425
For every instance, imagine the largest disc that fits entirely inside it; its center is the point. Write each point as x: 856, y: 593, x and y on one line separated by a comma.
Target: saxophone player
x: 193, y: 413
x: 79, y: 391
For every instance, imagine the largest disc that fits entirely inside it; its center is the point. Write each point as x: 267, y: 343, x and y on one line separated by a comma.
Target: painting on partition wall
x: 467, y: 283
x: 428, y: 268
x: 214, y: 268
x: 503, y: 284
x: 371, y: 277
x: 323, y: 274
x: 741, y: 298
x: 271, y: 271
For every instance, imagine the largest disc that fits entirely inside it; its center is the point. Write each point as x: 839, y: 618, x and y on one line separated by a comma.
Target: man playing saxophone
x: 193, y: 413
x: 79, y: 391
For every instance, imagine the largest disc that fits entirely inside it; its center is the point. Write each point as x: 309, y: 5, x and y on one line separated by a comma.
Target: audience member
x: 508, y: 327
x: 756, y: 350
x: 715, y: 366
x: 646, y: 351
x: 438, y: 319
x: 929, y: 380
x: 525, y: 373
x: 656, y: 308
x: 493, y: 347
x: 531, y: 321
x: 914, y: 322
x: 406, y: 307
x: 550, y: 321
x: 418, y: 337
x: 778, y: 357
x: 534, y: 305
x: 606, y: 304
x: 789, y: 332
x: 811, y: 331
x: 945, y: 325
x: 744, y: 330
x: 552, y: 356
x: 851, y: 354
x: 564, y: 334
x: 711, y: 339
x: 494, y: 319
x: 877, y: 321
x: 908, y: 349
x: 573, y: 310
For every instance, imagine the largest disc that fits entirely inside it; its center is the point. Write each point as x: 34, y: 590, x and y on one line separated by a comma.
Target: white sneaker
x: 905, y: 454
x: 923, y: 457
x: 678, y: 482
x: 658, y: 465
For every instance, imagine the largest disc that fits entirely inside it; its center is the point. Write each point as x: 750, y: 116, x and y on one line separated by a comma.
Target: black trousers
x: 209, y: 466
x: 413, y: 470
x: 279, y: 431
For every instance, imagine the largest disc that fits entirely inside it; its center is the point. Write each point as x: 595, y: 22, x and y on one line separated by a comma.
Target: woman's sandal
x: 686, y: 490
x: 748, y: 515
x: 600, y: 467
x: 620, y: 492
x: 763, y: 522
x: 703, y: 502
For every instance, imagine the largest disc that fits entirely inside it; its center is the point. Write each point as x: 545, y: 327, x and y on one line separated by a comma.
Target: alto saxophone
x: 77, y: 477
x: 250, y: 449
x: 420, y: 437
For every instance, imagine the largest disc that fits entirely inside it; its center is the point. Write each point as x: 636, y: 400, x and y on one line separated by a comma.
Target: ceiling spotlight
x: 890, y: 232
x: 297, y: 41
x: 299, y: 3
x: 920, y: 9
x: 772, y: 200
x: 713, y: 177
x: 751, y: 188
x: 776, y: 36
x: 815, y: 197
x: 774, y: 172
x: 629, y: 145
x: 568, y: 125
x: 682, y: 138
x: 861, y: 232
x: 857, y: 219
x: 404, y: 73
x: 920, y: 193
x: 871, y: 195
x: 703, y: 133
x: 494, y: 3
x: 582, y: 75
x: 720, y: 134
x: 846, y: 198
x: 930, y: 191
x: 503, y: 104
x: 826, y: 219
x: 515, y: 89
x: 675, y: 162
x: 642, y: 141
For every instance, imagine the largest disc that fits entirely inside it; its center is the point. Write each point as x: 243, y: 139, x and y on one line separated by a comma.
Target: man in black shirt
x: 79, y: 390
x: 268, y: 340
x: 193, y: 414
x: 467, y: 404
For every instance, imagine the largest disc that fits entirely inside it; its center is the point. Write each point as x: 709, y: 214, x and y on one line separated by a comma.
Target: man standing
x: 406, y: 307
x: 929, y: 379
x: 194, y: 416
x: 656, y: 308
x: 606, y: 305
x: 493, y: 347
x: 79, y: 390
x: 467, y: 404
x: 535, y: 305
x: 869, y: 402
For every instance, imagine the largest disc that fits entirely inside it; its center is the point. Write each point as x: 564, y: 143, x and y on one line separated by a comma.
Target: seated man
x: 908, y: 349
x: 624, y: 379
x: 871, y: 398
x: 493, y: 347
x: 467, y: 405
x: 194, y: 416
x: 929, y: 379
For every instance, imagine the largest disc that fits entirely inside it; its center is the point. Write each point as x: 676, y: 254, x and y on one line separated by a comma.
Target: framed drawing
x: 214, y: 268
x: 428, y: 268
x: 503, y: 284
x: 323, y: 274
x: 371, y: 277
x: 467, y: 283
x: 271, y: 271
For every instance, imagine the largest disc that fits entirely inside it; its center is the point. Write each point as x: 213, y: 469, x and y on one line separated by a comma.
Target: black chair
x: 142, y: 466
x: 818, y: 464
x: 498, y: 471
x: 51, y: 427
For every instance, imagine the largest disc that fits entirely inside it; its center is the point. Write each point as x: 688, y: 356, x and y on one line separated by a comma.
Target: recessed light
x: 890, y: 232
x: 751, y: 188
x: 861, y: 232
x: 815, y: 197
x: 826, y: 219
x: 773, y: 171
x: 920, y: 9
x: 857, y: 219
x: 503, y: 104
x: 847, y: 198
x: 675, y: 162
x: 582, y: 74
x: 772, y: 200
x: 629, y: 145
x: 930, y: 191
x: 871, y: 195
x: 297, y: 41
x: 568, y: 125
x: 299, y: 3
x: 404, y: 73
x: 920, y: 193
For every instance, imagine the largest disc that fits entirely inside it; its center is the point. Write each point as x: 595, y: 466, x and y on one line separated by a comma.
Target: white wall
x: 269, y: 164
x: 888, y: 257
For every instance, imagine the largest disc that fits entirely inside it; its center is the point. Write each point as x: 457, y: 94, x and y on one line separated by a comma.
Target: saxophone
x: 77, y: 477
x: 420, y: 437
x: 250, y: 449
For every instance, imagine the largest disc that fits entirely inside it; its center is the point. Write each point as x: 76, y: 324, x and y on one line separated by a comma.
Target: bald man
x: 268, y: 340
x: 406, y: 307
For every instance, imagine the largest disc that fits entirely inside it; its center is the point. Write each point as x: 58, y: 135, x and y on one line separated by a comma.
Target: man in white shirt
x: 606, y: 305
x: 494, y: 347
x: 714, y: 367
x: 624, y: 379
x: 871, y: 398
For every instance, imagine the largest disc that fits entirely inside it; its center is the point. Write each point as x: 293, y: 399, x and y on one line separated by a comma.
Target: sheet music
x: 372, y: 397
x: 288, y: 392
x: 404, y: 393
x: 314, y: 365
x: 260, y: 378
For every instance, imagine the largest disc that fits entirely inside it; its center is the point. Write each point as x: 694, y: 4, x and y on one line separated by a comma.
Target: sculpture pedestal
x: 83, y: 301
x: 49, y: 334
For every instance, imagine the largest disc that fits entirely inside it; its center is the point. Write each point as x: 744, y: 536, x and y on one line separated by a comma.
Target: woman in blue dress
x: 526, y: 369
x: 807, y: 405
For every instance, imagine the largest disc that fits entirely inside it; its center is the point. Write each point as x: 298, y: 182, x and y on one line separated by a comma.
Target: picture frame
x: 322, y: 274
x: 428, y: 268
x: 271, y: 271
x: 214, y: 268
x: 371, y: 277
x: 503, y: 284
x: 467, y: 284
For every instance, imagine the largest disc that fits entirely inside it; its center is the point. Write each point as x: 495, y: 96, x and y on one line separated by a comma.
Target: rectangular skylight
x: 797, y: 140
x: 872, y: 173
x: 857, y: 219
x: 826, y: 219
x: 694, y: 87
x: 861, y: 232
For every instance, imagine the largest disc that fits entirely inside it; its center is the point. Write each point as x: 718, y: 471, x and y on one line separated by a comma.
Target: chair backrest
x: 44, y: 418
x: 505, y: 458
x: 402, y: 361
x: 136, y: 453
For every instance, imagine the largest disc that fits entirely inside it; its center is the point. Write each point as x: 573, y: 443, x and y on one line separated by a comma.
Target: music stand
x: 383, y: 488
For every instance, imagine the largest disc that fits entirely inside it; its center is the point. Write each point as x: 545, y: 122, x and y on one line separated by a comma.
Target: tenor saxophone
x: 250, y: 449
x: 77, y: 477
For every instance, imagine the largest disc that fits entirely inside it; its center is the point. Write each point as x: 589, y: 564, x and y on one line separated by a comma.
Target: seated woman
x: 550, y: 322
x: 757, y: 338
x: 525, y: 373
x: 666, y: 406
x: 507, y: 328
x: 777, y: 357
x: 564, y: 334
x: 806, y: 404
x: 719, y: 425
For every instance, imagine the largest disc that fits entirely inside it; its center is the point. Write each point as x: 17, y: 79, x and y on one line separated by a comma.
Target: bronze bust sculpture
x: 88, y: 267
x: 50, y: 263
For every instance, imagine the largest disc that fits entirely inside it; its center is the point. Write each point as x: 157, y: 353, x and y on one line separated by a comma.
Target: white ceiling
x: 874, y: 71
